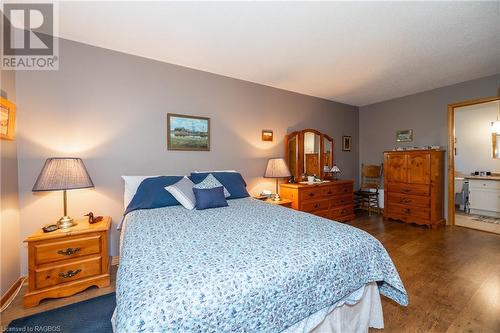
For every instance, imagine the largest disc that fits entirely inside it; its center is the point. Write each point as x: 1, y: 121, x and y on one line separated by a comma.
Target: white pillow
x: 131, y: 185
x: 183, y: 192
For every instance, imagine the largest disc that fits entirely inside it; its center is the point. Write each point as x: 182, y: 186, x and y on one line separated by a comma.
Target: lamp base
x: 65, y: 222
x: 276, y: 197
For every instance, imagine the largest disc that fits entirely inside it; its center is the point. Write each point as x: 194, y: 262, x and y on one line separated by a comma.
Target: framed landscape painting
x: 188, y: 132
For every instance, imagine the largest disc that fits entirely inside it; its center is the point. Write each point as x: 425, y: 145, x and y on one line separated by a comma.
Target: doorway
x: 474, y: 164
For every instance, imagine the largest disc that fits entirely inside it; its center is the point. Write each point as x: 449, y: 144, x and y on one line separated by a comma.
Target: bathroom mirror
x: 495, y: 141
x: 309, y: 152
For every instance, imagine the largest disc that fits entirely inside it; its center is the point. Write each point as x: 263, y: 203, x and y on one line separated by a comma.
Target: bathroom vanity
x: 484, y: 195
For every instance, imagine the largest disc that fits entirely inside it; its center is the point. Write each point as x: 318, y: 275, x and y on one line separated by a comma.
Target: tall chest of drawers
x: 62, y: 263
x: 332, y: 200
x: 414, y: 186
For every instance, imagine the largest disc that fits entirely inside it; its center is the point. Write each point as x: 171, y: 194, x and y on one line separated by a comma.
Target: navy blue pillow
x: 152, y: 194
x: 210, y: 197
x: 232, y: 181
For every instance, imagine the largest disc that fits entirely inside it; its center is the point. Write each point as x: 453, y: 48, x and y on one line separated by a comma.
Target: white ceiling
x: 351, y: 52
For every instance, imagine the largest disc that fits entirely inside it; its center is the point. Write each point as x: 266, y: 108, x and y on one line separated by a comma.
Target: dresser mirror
x: 309, y: 152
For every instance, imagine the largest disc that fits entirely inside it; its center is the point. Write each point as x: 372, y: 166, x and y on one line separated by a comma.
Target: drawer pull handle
x: 316, y: 205
x: 69, y: 251
x: 345, y: 190
x: 407, y: 210
x: 329, y: 192
x: 311, y: 194
x: 406, y: 190
x: 405, y: 201
x: 69, y: 273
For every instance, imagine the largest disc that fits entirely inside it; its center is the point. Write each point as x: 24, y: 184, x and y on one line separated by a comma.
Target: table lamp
x: 335, y: 171
x: 277, y: 168
x: 61, y: 174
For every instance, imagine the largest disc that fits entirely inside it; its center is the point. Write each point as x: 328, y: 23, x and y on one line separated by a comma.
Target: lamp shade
x: 277, y: 168
x: 495, y: 127
x: 335, y: 169
x: 60, y: 173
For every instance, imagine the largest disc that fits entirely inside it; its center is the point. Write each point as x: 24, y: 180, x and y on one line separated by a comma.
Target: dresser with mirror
x: 310, y: 153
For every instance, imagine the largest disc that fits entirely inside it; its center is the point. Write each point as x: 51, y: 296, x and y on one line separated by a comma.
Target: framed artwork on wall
x: 404, y: 136
x: 186, y: 132
x: 346, y: 143
x: 7, y: 119
x: 267, y: 135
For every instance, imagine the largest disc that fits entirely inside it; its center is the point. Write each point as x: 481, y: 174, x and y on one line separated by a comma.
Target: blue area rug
x: 90, y: 316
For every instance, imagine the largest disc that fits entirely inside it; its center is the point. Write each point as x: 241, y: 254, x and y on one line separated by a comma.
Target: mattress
x: 248, y: 267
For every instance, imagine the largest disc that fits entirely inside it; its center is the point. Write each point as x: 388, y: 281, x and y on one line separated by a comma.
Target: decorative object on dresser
x: 308, y: 152
x: 413, y: 186
x: 276, y: 168
x: 332, y: 200
x: 367, y: 195
x: 63, y: 263
x: 335, y: 172
x: 61, y: 173
x: 7, y: 119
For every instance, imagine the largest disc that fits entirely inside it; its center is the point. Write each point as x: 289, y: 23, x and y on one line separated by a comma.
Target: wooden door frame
x: 451, y: 150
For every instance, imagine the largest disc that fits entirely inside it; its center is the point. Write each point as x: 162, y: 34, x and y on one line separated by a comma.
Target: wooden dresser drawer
x: 405, y: 188
x: 341, y: 200
x: 410, y: 200
x: 403, y: 210
x: 314, y: 205
x: 340, y: 213
x: 75, y: 270
x: 311, y: 194
x: 64, y: 249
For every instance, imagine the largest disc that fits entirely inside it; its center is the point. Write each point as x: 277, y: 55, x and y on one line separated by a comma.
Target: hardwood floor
x: 452, y: 276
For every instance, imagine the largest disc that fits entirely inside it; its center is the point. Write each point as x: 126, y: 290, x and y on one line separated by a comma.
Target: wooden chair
x: 367, y: 195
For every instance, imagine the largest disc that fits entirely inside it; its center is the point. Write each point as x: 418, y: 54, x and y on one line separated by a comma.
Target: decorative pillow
x: 151, y: 194
x: 210, y: 198
x: 232, y: 181
x: 210, y: 181
x: 183, y: 192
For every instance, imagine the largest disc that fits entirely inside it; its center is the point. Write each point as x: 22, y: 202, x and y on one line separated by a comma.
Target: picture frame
x: 188, y: 133
x: 404, y: 135
x: 267, y: 135
x: 346, y: 143
x: 7, y: 119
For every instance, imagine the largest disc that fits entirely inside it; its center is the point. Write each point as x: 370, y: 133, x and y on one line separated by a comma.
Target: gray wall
x: 110, y: 109
x: 426, y: 113
x: 9, y: 202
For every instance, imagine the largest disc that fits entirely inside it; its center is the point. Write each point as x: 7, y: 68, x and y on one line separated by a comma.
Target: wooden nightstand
x: 64, y: 263
x: 282, y: 202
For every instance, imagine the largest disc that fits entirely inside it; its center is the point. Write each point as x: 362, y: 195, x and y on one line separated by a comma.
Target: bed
x: 248, y: 267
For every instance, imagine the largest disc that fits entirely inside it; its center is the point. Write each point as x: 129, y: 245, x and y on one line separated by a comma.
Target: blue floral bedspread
x: 249, y: 267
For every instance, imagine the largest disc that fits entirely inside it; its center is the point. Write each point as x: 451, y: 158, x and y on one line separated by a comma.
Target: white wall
x: 473, y: 135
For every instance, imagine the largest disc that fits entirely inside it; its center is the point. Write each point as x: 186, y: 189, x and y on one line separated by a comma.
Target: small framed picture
x: 188, y: 132
x: 346, y: 143
x: 7, y: 119
x: 267, y: 135
x: 404, y: 136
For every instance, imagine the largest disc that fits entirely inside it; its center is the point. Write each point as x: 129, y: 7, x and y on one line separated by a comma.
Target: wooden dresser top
x: 82, y: 227
x: 330, y: 183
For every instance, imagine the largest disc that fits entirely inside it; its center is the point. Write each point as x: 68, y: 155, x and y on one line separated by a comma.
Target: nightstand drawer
x: 58, y: 274
x: 65, y: 249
